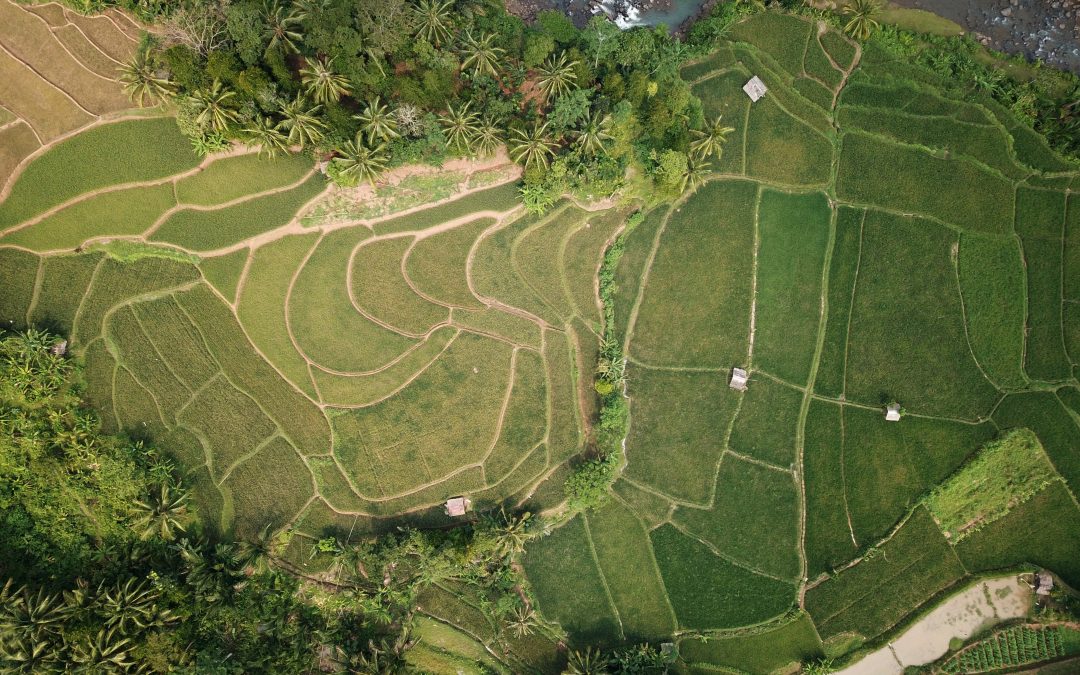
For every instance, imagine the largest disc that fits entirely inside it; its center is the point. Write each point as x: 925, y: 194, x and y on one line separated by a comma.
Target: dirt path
x: 980, y: 605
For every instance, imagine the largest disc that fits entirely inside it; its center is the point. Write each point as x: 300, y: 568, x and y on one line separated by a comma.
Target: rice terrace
x: 340, y: 346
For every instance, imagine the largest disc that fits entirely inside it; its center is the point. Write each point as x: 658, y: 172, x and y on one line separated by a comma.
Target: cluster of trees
x: 105, y: 566
x: 375, y: 84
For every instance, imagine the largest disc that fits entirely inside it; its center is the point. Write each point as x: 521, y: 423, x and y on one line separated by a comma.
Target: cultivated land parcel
x: 866, y: 239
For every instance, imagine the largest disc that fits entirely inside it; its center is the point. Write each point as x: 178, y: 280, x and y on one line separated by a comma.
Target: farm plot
x: 765, y: 650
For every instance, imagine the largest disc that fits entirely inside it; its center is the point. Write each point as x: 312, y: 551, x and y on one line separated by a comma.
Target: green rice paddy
x: 866, y: 238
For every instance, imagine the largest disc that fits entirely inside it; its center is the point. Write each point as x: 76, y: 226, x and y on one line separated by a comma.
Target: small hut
x: 755, y: 88
x: 457, y: 506
x: 892, y: 412
x: 1044, y: 583
x: 738, y: 379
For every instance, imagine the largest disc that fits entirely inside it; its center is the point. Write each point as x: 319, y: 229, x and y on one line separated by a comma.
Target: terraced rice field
x: 868, y: 237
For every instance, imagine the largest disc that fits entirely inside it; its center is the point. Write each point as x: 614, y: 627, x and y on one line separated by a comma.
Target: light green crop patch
x: 1005, y: 473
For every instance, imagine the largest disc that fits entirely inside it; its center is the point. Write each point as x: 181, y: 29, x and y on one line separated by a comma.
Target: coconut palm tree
x: 480, y: 55
x: 711, y: 140
x: 282, y: 27
x: 557, y: 76
x: 360, y: 162
x: 589, y: 662
x: 433, y: 20
x: 863, y: 19
x: 533, y: 146
x: 697, y: 170
x: 511, y: 533
x: 378, y: 122
x: 594, y: 131
x: 302, y: 122
x: 266, y: 133
x: 488, y: 137
x: 460, y: 125
x: 522, y: 621
x: 211, y: 107
x: 322, y: 83
x: 161, y: 513
x: 141, y: 80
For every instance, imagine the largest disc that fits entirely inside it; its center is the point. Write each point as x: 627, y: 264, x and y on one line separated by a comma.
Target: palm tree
x: 301, y: 122
x: 532, y: 146
x: 378, y: 122
x: 360, y: 162
x: 522, y: 621
x: 256, y: 553
x: 510, y: 533
x: 161, y: 513
x: 863, y: 19
x: 481, y: 55
x: 557, y: 76
x: 128, y: 605
x: 594, y: 131
x: 589, y: 662
x: 281, y: 27
x: 488, y: 137
x: 141, y: 81
x: 30, y: 614
x: 697, y: 170
x: 265, y: 132
x: 24, y: 654
x: 461, y: 126
x: 322, y: 83
x: 211, y: 109
x: 106, y: 652
x: 433, y: 20
x: 711, y: 140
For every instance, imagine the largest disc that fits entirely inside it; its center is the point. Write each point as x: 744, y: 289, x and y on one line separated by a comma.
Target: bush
x: 587, y: 487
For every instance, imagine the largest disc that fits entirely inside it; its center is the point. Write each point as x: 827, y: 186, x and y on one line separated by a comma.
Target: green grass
x: 754, y: 520
x: 508, y: 490
x: 98, y: 369
x: 723, y: 95
x: 815, y: 92
x: 231, y: 420
x: 681, y: 276
x: 63, y: 279
x: 209, y: 230
x: 991, y: 274
x: 793, y: 235
x: 564, y: 425
x: 650, y: 508
x: 986, y: 144
x: 1012, y: 540
x: 443, y: 650
x: 123, y: 212
x: 379, y: 288
x: 302, y: 423
x: 782, y: 91
x: 443, y: 420
x: 784, y: 149
x: 626, y: 560
x: 782, y: 36
x: 532, y: 256
x: 907, y: 340
x: 839, y: 47
x: 636, y: 248
x: 500, y: 324
x: 184, y: 447
x: 1043, y: 413
x: 261, y: 305
x: 319, y: 520
x: 828, y: 541
x: 567, y: 584
x: 335, y: 490
x: 325, y: 324
x: 138, y: 354
x: 909, y: 179
x: 1005, y: 473
x: 1045, y: 358
x: 581, y: 262
x: 877, y: 593
x: 177, y: 340
x: 525, y: 421
x: 766, y: 424
x: 494, y: 272
x: 234, y: 177
x: 270, y: 488
x: 346, y: 390
x: 677, y: 431
x: 1016, y: 646
x: 115, y: 281
x: 1040, y: 213
x: 500, y: 198
x: 817, y: 64
x: 719, y: 59
x: 760, y: 653
x: 920, y: 21
x: 224, y: 271
x: 137, y: 411
x: 19, y: 270
x: 910, y: 457
x: 436, y: 264
x: 97, y: 158
x: 1070, y: 398
x: 843, y: 269
x: 1072, y: 251
x: 709, y: 592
